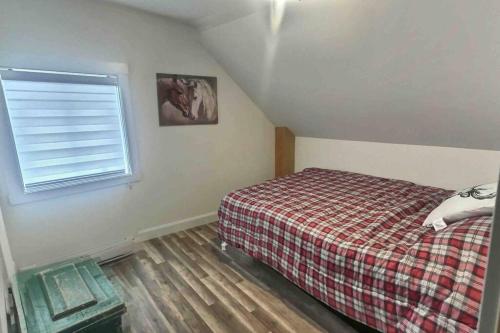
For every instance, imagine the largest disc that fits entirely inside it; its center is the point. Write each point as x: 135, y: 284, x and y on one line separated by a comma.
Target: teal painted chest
x: 67, y: 297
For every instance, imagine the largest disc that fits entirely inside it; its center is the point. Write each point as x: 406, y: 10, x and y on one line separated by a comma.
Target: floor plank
x: 184, y: 283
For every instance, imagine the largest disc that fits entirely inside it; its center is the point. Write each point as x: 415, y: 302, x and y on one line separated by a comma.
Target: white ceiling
x: 199, y: 13
x: 420, y: 72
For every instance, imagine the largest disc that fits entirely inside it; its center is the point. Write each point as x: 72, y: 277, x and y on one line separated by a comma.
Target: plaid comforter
x: 357, y: 243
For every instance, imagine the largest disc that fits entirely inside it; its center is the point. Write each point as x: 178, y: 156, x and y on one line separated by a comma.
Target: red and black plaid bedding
x: 357, y: 243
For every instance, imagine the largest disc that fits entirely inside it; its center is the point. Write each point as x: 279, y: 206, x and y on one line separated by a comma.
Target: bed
x: 357, y: 243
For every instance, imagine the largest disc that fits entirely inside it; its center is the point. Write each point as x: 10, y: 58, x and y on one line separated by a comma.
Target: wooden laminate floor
x: 184, y: 283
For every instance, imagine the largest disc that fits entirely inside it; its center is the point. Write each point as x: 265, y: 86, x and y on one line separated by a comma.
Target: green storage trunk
x: 67, y: 297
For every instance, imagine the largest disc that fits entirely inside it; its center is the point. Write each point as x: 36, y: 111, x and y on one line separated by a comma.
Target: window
x: 68, y: 128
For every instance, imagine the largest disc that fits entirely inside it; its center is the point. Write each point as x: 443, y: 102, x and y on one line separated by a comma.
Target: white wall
x: 5, y: 271
x: 451, y: 168
x: 185, y: 170
x: 3, y: 296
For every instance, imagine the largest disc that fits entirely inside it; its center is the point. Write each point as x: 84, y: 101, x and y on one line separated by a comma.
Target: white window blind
x: 68, y: 128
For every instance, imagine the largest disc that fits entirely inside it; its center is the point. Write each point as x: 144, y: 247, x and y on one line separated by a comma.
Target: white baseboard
x: 127, y: 246
x: 130, y: 244
x: 172, y: 227
x: 118, y: 250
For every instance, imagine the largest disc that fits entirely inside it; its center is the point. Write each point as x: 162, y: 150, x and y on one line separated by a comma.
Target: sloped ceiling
x: 421, y: 72
x: 198, y: 13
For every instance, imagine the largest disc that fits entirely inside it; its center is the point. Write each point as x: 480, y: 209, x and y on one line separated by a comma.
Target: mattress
x: 357, y: 243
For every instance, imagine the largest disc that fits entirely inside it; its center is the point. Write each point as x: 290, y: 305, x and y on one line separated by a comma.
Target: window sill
x: 17, y: 196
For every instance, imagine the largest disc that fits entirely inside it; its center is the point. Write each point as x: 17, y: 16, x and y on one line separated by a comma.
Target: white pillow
x: 474, y: 201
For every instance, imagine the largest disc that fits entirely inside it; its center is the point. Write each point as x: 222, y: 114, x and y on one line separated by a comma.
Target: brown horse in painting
x: 178, y: 93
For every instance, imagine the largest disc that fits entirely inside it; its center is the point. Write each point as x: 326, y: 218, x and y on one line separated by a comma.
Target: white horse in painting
x: 203, y: 101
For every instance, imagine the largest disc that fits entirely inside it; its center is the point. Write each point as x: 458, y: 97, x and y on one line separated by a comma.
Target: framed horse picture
x: 187, y: 99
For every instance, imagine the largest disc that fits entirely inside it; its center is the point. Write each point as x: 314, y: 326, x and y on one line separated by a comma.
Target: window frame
x: 12, y: 179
